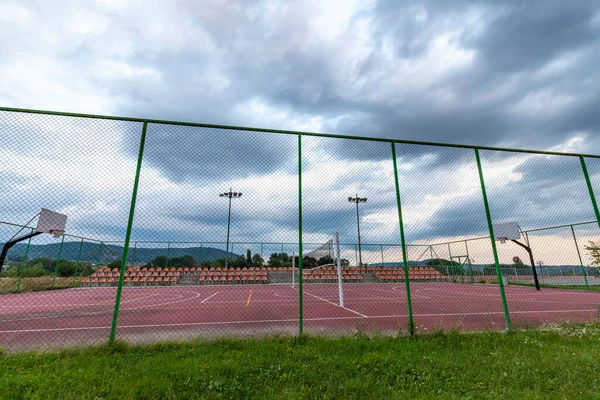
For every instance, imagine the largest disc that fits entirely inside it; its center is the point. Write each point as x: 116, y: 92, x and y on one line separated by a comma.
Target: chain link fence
x: 181, y: 230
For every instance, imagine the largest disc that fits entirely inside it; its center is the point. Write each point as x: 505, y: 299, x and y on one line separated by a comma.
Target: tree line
x: 44, y: 266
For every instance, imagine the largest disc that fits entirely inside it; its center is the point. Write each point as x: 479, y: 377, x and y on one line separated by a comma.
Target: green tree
x: 517, y: 262
x: 248, y: 257
x: 593, y: 249
x: 10, y: 271
x: 158, y: 262
x: 66, y: 268
x: 115, y: 264
x: 33, y: 271
x: 47, y: 263
x: 325, y: 260
x: 185, y: 261
x: 238, y: 262
x: 257, y: 260
x: 274, y: 261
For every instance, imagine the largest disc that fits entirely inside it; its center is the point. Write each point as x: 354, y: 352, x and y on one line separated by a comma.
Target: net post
x: 58, y: 259
x: 339, y: 269
x: 300, y: 316
x: 136, y: 182
x: 492, y: 239
x: 411, y: 323
x: 587, y: 287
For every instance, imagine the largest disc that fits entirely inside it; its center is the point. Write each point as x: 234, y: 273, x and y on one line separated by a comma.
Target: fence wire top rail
x: 289, y: 132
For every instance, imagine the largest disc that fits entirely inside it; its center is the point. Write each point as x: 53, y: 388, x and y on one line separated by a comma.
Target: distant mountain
x: 480, y: 267
x: 106, y: 253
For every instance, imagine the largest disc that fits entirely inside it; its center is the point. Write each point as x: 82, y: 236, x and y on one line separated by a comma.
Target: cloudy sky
x: 518, y: 74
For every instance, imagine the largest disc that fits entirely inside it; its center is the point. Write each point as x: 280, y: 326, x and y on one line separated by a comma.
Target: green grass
x: 558, y: 362
x: 35, y: 284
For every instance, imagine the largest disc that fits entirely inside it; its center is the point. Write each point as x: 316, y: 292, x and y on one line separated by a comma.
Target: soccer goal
x: 318, y: 261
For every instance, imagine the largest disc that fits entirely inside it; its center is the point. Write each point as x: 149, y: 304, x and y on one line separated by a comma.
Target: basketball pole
x: 11, y: 243
x: 528, y: 249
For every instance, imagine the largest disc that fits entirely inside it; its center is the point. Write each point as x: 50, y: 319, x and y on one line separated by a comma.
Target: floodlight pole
x: 535, y: 276
x: 11, y: 243
x: 358, y: 200
x: 230, y: 195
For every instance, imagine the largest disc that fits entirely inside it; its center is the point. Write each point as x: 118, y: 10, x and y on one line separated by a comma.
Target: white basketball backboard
x: 507, y: 231
x: 51, y: 222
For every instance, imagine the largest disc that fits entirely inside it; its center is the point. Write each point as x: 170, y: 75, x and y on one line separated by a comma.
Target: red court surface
x: 83, y: 316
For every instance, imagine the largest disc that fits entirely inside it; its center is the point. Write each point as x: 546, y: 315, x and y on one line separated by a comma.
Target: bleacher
x: 135, y: 277
x: 396, y: 274
x: 171, y: 276
x: 234, y: 276
x: 329, y: 274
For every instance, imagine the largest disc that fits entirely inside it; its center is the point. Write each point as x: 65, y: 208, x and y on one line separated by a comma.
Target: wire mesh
x: 214, y: 248
x: 80, y: 166
x: 444, y: 212
x: 540, y: 191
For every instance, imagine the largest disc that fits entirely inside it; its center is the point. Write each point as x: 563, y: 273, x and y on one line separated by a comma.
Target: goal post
x: 339, y: 269
x: 330, y: 254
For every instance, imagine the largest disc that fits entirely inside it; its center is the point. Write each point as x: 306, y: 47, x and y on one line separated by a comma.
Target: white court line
x: 212, y: 295
x: 280, y: 320
x: 337, y: 305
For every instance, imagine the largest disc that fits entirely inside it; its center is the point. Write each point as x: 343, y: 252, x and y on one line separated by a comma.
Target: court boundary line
x: 337, y: 305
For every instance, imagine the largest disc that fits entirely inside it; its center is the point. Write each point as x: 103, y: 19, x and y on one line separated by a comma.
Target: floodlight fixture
x: 230, y: 195
x: 357, y: 200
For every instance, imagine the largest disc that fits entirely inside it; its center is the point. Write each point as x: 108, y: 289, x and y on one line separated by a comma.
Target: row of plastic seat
x: 103, y: 274
x: 232, y: 279
x: 111, y: 281
x: 412, y: 275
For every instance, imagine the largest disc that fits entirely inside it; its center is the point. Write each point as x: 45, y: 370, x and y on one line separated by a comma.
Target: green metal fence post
x: 492, y: 239
x: 300, y: 316
x: 58, y: 260
x: 590, y: 189
x: 411, y: 322
x: 580, y: 261
x: 77, y: 263
x: 24, y: 263
x: 128, y: 233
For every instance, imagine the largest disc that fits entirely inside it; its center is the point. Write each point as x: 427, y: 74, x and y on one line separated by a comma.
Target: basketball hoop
x: 57, y: 233
x: 503, y: 239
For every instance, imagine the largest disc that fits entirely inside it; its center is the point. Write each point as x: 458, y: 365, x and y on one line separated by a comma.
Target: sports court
x: 83, y: 316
